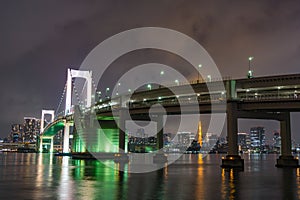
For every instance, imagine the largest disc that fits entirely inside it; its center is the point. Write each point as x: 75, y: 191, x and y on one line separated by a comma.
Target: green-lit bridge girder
x: 53, y: 130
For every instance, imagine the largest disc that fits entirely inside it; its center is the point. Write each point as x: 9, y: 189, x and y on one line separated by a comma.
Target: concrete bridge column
x: 66, y: 145
x: 232, y: 160
x: 122, y: 122
x: 51, y: 138
x: 122, y: 156
x: 51, y: 144
x: 286, y: 159
x: 41, y: 144
x: 160, y: 156
x: 160, y: 132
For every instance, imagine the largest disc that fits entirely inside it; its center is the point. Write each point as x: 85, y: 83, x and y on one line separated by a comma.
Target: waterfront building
x: 31, y: 129
x: 167, y: 138
x: 16, y: 134
x: 185, y: 138
x: 257, y: 136
x: 244, y: 141
x: 209, y: 141
x: 25, y: 132
x: 139, y: 142
x: 276, y: 141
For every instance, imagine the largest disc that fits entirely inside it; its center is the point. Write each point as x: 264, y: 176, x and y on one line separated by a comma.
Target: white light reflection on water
x: 191, y: 177
x: 65, y: 189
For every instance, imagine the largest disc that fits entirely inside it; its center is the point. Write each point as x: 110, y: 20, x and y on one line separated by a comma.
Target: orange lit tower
x: 199, y: 133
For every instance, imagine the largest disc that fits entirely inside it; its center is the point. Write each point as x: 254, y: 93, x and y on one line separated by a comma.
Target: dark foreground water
x: 44, y: 176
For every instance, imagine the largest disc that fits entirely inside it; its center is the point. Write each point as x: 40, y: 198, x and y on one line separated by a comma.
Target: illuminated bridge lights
x: 256, y: 89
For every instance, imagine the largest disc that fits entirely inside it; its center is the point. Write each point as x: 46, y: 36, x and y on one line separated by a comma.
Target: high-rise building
x: 209, y: 141
x: 31, y: 129
x: 244, y: 141
x: 26, y: 132
x: 185, y: 138
x: 16, y: 134
x: 277, y: 140
x: 257, y: 136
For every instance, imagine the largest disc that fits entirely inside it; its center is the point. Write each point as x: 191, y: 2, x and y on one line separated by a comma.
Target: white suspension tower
x: 51, y: 113
x: 87, y: 75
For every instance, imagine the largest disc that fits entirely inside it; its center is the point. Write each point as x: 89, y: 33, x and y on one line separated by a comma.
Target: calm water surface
x: 44, y: 176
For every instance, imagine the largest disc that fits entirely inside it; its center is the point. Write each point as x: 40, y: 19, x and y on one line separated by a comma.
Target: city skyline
x: 140, y: 99
x: 41, y: 41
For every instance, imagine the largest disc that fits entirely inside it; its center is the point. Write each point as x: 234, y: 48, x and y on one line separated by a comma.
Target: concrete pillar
x: 122, y: 155
x: 66, y: 138
x: 232, y: 129
x: 285, y: 133
x: 51, y: 144
x: 160, y: 132
x: 122, y: 121
x: 160, y: 157
x: 232, y: 160
x: 41, y: 144
x: 286, y: 159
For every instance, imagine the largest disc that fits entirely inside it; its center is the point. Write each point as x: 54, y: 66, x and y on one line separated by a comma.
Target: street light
x: 209, y: 78
x: 278, y: 94
x: 162, y: 72
x: 98, y: 95
x: 149, y: 86
x: 250, y: 72
x: 107, y: 90
x: 247, y: 90
x: 199, y: 73
x: 177, y: 82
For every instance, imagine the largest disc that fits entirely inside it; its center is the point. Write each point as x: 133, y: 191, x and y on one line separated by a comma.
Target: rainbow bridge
x: 272, y: 97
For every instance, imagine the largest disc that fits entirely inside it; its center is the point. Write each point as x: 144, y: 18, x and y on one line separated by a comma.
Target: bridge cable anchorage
x: 61, y: 100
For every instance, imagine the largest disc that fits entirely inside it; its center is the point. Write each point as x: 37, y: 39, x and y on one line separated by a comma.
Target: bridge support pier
x: 51, y: 143
x: 232, y: 160
x: 122, y: 128
x: 160, y: 156
x: 122, y: 156
x: 41, y: 144
x: 66, y: 145
x: 286, y: 159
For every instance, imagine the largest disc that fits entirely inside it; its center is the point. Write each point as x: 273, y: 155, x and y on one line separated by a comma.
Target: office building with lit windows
x: 26, y: 132
x: 257, y: 136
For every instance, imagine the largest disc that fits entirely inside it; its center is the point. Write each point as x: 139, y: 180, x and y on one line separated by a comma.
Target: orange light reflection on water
x: 200, y: 178
x: 228, y: 185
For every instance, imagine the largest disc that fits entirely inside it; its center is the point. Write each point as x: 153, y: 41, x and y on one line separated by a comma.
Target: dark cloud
x: 40, y: 40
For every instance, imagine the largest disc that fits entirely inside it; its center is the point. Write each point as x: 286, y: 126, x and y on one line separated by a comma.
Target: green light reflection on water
x: 97, y: 181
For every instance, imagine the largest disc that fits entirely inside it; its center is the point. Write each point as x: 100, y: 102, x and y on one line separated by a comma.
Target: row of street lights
x: 149, y: 86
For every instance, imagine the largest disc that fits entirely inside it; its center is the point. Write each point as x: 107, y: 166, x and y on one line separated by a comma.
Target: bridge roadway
x: 272, y: 97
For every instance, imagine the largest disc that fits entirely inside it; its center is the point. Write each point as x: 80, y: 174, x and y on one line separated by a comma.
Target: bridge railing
x: 268, y: 96
x: 165, y: 102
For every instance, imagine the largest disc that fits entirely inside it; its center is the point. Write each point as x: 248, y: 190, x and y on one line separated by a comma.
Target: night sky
x: 41, y: 39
